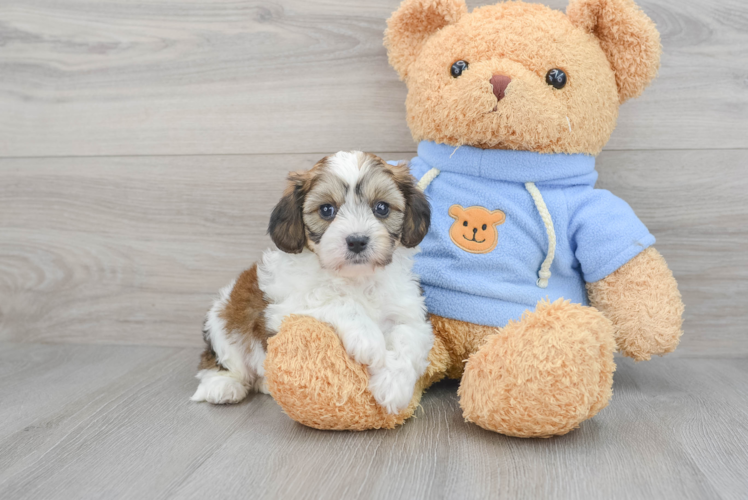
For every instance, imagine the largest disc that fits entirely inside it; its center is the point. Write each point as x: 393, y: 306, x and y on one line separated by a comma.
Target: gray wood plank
x: 132, y: 250
x: 104, y: 77
x: 712, y: 431
x: 48, y: 391
x: 64, y: 375
x: 119, y: 424
x: 126, y: 437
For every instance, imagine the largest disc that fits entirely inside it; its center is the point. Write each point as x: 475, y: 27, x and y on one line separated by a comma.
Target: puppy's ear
x: 412, y: 24
x: 417, y: 218
x: 628, y: 37
x: 286, y: 227
x: 417, y: 213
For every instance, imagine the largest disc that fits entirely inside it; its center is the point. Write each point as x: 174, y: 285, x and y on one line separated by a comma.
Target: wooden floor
x: 142, y: 147
x: 82, y: 421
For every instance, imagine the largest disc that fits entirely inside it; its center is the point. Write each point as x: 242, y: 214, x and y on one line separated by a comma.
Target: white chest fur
x: 296, y: 284
x: 380, y: 319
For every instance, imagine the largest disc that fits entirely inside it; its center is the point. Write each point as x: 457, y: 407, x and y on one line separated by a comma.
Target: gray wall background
x: 143, y: 145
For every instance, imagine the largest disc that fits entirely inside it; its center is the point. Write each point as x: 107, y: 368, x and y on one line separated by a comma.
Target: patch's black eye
x: 557, y: 78
x: 484, y: 227
x: 458, y: 68
x: 327, y: 212
x: 382, y: 209
x: 464, y: 223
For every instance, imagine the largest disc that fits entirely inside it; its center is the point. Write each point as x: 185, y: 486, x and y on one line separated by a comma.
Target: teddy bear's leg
x: 460, y: 339
x: 543, y: 375
x: 644, y: 304
x: 313, y: 379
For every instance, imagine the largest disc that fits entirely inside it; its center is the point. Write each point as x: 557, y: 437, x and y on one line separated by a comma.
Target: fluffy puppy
x: 347, y: 231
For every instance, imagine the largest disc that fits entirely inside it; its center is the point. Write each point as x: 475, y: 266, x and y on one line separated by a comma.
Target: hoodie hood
x: 511, y: 166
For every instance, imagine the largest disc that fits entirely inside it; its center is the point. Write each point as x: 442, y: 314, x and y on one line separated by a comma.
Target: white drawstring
x: 545, y: 269
x: 427, y: 178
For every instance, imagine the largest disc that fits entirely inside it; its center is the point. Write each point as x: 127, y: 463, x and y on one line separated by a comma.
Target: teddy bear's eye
x: 556, y: 77
x: 464, y: 223
x: 484, y: 227
x: 458, y: 68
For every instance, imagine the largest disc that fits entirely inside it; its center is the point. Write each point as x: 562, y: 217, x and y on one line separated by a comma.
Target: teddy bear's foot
x: 311, y: 376
x: 543, y: 375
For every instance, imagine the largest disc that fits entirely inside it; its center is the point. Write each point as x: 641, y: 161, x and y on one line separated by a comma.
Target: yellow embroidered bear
x: 474, y: 229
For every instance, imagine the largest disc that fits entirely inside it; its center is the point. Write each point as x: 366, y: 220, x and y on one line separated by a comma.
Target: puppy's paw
x: 392, y: 385
x: 367, y: 348
x: 261, y: 385
x: 219, y: 389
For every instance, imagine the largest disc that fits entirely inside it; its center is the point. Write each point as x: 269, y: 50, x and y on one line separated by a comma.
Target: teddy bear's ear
x: 627, y: 36
x: 412, y: 24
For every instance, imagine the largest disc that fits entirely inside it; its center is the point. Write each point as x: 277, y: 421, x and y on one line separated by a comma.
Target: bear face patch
x: 474, y: 229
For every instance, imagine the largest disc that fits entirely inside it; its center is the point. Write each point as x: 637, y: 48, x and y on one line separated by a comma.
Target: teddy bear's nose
x: 500, y: 83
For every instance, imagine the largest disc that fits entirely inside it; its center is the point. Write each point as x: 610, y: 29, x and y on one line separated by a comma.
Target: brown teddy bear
x: 535, y: 284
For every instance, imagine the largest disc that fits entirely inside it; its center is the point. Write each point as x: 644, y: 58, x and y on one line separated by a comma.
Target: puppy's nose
x: 500, y: 83
x: 357, y: 242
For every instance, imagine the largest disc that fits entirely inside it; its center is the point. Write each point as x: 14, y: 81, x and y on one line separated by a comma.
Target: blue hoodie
x: 595, y: 232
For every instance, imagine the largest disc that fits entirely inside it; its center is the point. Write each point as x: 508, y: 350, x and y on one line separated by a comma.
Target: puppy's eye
x: 327, y: 212
x: 382, y: 209
x: 458, y: 68
x: 556, y: 78
x: 484, y: 227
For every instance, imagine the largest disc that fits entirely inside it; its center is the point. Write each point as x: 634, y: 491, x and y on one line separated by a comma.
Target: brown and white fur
x: 351, y: 270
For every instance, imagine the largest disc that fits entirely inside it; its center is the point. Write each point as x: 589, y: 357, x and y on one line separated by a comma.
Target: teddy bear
x: 532, y: 277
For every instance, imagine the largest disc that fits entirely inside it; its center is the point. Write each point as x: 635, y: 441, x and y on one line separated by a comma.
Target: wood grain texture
x: 118, y: 424
x: 105, y: 77
x: 152, y: 142
x: 132, y: 250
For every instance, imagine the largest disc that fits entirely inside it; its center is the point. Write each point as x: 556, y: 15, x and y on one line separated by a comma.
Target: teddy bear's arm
x: 642, y: 300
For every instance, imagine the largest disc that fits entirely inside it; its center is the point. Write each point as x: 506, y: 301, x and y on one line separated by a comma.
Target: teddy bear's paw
x: 315, y: 381
x: 642, y: 301
x: 541, y: 376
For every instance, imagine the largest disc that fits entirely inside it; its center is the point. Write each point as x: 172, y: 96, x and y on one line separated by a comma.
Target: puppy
x: 347, y: 231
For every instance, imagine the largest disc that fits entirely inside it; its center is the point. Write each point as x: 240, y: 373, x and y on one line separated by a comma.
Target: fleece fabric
x: 596, y: 232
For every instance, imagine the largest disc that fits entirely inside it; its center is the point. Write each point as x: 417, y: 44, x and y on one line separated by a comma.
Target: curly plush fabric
x: 460, y: 339
x: 537, y: 377
x: 413, y: 24
x: 644, y: 304
x: 628, y: 37
x: 543, y: 375
x: 317, y: 384
x: 608, y: 49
